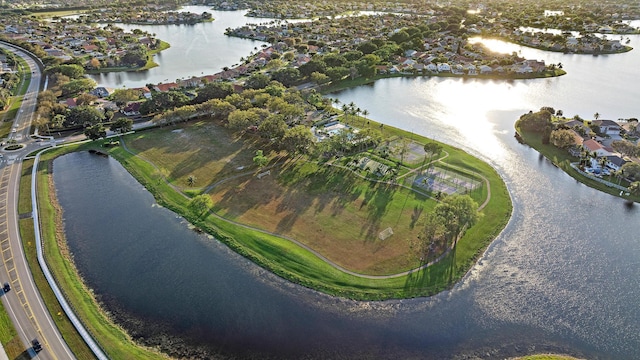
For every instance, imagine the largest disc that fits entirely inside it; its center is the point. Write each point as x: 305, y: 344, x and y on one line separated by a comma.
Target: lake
x: 564, y: 275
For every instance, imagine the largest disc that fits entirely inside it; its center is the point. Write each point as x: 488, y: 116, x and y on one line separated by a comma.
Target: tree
x: 95, y: 63
x: 534, y: 122
x: 71, y: 70
x: 257, y: 81
x: 122, y: 96
x: 217, y: 108
x: 77, y: 86
x: 562, y: 138
x: 634, y: 188
x: 57, y: 121
x: 85, y: 99
x: 625, y: 147
x: 95, y: 132
x: 273, y: 127
x: 191, y: 180
x: 297, y: 140
x: 433, y: 150
x: 400, y: 148
x: 315, y: 65
x: 433, y: 231
x: 286, y: 76
x: 260, y: 160
x: 460, y: 213
x: 214, y: 90
x: 319, y: 78
x: 122, y: 125
x: 631, y: 170
x: 200, y: 204
x: 596, y: 116
x: 241, y: 119
x: 83, y: 116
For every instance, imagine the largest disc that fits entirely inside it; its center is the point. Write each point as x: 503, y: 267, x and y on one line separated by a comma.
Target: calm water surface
x: 196, y: 50
x: 563, y: 276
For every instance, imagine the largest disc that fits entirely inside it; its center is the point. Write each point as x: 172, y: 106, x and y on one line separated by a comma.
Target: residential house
x: 615, y: 162
x: 595, y: 147
x: 608, y: 127
x: 132, y: 109
x: 485, y: 69
x: 166, y: 87
x: 100, y: 92
x: 444, y: 67
x: 71, y: 103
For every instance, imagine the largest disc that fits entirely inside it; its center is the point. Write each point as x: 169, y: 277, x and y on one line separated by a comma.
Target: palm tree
x: 596, y: 115
x: 191, y: 180
x: 365, y: 112
x: 603, y: 163
x: 345, y: 110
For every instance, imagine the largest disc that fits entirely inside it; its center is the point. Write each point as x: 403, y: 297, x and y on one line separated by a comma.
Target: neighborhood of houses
x: 67, y: 41
x: 602, y: 158
x: 443, y: 53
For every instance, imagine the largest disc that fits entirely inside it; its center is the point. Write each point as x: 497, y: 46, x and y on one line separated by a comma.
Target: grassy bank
x: 9, y: 336
x: 113, y: 340
x: 349, y: 83
x: 289, y: 260
x: 73, y: 339
x: 562, y: 159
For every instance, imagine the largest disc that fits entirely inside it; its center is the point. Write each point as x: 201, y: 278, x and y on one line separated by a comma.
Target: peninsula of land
x: 602, y: 154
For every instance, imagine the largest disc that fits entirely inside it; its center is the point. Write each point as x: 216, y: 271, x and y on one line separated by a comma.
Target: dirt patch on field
x: 342, y: 224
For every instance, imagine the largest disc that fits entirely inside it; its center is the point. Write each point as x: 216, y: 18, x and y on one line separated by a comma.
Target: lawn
x: 328, y: 209
x: 332, y: 211
x: 208, y: 152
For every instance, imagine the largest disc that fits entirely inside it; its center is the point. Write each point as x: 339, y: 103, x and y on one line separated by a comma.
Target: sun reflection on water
x: 465, y: 107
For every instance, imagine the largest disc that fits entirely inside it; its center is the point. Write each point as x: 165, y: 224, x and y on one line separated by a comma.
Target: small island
x: 602, y: 154
x: 58, y: 40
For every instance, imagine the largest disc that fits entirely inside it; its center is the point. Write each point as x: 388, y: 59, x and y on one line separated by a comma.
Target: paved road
x: 23, y: 301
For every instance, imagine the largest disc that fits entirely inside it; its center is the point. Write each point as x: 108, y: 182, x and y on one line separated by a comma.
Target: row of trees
x: 8, y: 81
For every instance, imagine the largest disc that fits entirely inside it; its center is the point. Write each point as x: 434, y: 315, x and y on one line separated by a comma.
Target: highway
x: 23, y: 301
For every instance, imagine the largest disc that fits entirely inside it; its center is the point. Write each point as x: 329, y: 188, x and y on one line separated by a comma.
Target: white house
x: 595, y: 147
x: 615, y: 162
x: 608, y: 127
x: 444, y: 67
x: 485, y: 69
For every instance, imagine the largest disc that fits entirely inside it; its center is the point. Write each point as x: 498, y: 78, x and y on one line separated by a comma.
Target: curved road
x: 23, y: 302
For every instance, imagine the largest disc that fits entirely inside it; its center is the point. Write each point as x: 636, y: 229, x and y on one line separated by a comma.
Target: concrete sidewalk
x: 3, y: 355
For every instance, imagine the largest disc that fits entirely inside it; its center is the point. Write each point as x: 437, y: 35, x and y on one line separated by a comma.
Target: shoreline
x: 149, y: 65
x: 359, y: 81
x: 565, y: 165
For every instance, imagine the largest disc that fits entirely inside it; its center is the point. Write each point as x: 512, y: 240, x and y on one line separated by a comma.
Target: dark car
x: 36, y: 345
x: 6, y: 287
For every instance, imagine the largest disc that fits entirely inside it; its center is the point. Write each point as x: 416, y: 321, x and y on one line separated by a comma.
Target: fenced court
x: 436, y: 179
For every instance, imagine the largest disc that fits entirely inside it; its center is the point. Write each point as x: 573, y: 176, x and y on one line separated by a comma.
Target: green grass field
x: 201, y: 149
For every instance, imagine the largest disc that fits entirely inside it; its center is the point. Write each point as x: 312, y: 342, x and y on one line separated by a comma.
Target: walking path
x: 314, y: 252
